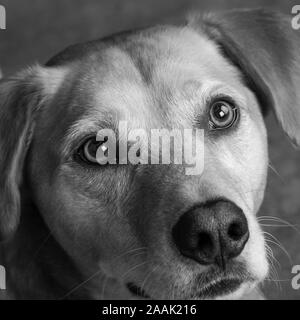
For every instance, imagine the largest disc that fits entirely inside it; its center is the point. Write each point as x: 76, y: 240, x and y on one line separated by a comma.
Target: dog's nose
x: 212, y: 233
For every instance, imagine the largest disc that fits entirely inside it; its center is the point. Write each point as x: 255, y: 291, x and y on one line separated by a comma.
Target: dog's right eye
x: 88, y: 151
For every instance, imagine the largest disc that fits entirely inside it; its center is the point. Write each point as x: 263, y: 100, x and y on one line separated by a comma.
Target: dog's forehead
x: 150, y: 76
x: 155, y: 78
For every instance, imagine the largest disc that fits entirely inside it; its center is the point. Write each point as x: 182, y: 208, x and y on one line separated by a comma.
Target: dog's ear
x: 21, y: 97
x: 264, y: 46
x: 19, y: 100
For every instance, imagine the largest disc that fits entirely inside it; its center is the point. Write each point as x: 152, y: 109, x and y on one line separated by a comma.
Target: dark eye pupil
x: 221, y: 111
x: 93, y: 147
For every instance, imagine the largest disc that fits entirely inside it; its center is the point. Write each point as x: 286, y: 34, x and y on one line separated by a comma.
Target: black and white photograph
x: 149, y: 150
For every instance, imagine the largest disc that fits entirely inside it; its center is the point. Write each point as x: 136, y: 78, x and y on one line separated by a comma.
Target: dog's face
x: 122, y: 216
x: 144, y: 228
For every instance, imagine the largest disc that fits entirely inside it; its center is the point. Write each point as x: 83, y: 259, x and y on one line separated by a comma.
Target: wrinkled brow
x: 83, y: 129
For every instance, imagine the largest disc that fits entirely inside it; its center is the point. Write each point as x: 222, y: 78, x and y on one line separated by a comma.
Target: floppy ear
x: 19, y: 101
x: 21, y: 97
x: 264, y: 46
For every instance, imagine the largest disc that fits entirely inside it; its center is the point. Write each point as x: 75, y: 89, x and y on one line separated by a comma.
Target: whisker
x: 278, y: 220
x: 133, y: 268
x: 95, y: 274
x: 271, y: 260
x: 273, y: 270
x: 271, y: 166
x: 103, y: 287
x: 277, y: 280
x: 147, y: 277
x: 128, y: 253
x: 272, y: 256
x: 38, y: 250
x: 81, y: 284
x: 279, y: 244
x: 274, y: 225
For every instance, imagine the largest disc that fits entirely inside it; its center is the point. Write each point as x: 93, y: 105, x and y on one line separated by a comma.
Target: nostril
x: 236, y: 231
x: 205, y: 244
x: 194, y: 238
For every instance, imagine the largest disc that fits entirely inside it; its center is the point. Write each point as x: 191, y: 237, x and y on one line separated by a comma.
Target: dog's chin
x: 214, y: 285
x: 221, y: 289
x: 233, y: 283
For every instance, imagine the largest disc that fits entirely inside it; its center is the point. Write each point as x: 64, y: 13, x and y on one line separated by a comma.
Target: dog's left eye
x: 222, y: 115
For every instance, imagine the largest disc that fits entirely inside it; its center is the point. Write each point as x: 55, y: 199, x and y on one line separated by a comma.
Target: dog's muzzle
x: 211, y: 234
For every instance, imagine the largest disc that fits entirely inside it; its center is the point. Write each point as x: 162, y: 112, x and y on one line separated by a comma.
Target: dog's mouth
x: 219, y: 288
x: 137, y: 291
x: 211, y: 290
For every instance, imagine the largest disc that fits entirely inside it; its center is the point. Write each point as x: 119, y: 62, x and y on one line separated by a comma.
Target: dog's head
x: 153, y: 229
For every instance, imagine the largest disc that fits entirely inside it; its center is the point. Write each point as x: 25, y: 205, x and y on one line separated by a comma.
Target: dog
x: 74, y: 229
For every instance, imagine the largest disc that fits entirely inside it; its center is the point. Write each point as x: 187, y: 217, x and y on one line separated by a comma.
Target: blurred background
x: 37, y: 29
